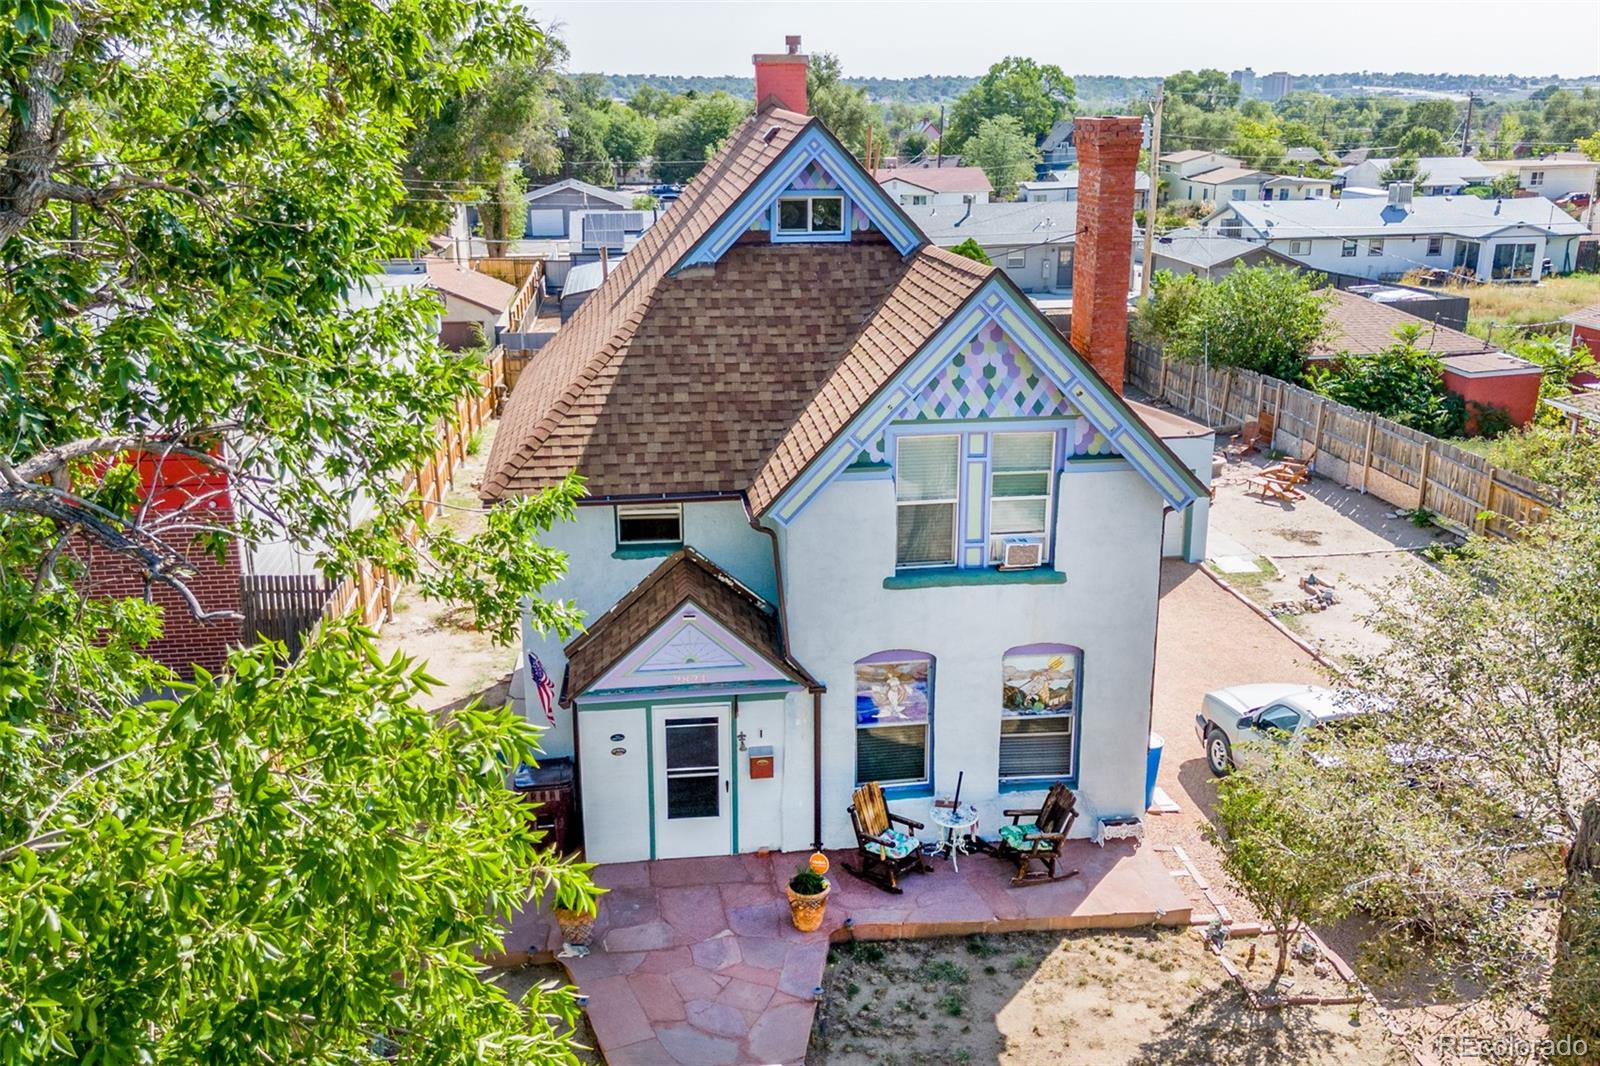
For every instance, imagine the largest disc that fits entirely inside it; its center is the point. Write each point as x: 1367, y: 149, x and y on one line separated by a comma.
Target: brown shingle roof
x: 1587, y: 317
x: 1359, y: 326
x: 741, y: 372
x: 470, y: 285
x: 939, y: 179
x: 603, y: 327
x: 684, y: 576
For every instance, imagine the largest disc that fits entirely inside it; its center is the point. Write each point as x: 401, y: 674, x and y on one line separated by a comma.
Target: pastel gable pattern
x: 689, y: 648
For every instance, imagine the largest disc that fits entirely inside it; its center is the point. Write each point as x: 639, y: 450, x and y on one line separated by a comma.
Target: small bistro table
x: 955, y: 824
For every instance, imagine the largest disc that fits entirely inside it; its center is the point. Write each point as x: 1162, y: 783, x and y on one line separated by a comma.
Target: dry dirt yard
x: 1032, y: 999
x: 517, y: 984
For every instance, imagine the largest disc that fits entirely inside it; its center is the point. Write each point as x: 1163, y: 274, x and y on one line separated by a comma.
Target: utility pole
x: 938, y: 155
x: 1466, y: 128
x: 1153, y: 195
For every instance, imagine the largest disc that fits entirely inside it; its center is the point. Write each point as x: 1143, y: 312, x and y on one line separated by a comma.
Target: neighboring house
x: 477, y: 308
x: 1551, y: 177
x: 1474, y: 369
x: 615, y: 231
x: 811, y: 443
x: 1211, y: 256
x: 1176, y: 168
x: 1442, y: 175
x: 551, y: 207
x: 1032, y: 242
x: 1063, y: 186
x: 1585, y: 325
x: 1296, y: 187
x: 1581, y: 409
x: 1056, y: 150
x: 922, y: 184
x: 1304, y: 157
x: 1490, y: 240
x: 1225, y: 184
x: 581, y: 282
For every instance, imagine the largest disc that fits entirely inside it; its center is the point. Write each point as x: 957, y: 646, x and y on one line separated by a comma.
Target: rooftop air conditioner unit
x: 1021, y: 553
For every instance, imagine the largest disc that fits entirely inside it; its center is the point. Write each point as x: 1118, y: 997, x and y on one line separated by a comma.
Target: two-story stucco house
x: 856, y: 511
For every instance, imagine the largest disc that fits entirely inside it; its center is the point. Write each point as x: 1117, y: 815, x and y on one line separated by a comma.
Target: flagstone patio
x: 695, y: 961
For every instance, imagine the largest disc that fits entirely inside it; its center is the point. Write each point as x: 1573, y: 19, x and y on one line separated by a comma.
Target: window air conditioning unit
x: 1021, y: 553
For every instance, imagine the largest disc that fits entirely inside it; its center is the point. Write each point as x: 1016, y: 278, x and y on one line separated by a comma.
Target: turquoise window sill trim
x: 1090, y: 460
x: 945, y: 577
x: 655, y: 551
x: 1041, y: 784
x: 900, y: 792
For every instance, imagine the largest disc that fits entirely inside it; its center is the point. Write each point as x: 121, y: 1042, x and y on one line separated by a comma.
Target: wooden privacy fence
x: 1403, y: 466
x: 283, y: 606
x: 524, y: 273
x: 369, y: 592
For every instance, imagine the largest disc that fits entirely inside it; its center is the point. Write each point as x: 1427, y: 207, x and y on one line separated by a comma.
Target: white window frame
x: 996, y: 540
x: 1535, y: 178
x: 1435, y: 245
x: 919, y: 200
x: 810, y: 230
x: 1347, y: 250
x: 654, y: 510
x: 1017, y: 259
x: 1374, y: 247
x: 954, y: 502
x: 1299, y: 247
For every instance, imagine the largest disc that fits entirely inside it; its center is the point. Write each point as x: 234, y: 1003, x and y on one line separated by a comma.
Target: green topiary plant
x: 807, y: 882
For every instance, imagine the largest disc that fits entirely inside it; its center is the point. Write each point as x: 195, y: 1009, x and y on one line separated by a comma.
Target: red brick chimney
x: 782, y: 77
x: 1108, y: 156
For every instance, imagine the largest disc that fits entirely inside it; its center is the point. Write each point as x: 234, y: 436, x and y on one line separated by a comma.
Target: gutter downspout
x: 815, y: 689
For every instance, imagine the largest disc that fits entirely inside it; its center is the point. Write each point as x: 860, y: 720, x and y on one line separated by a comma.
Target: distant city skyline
x: 879, y: 38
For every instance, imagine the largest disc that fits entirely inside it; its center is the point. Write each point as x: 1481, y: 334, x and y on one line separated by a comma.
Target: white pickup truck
x: 1271, y: 712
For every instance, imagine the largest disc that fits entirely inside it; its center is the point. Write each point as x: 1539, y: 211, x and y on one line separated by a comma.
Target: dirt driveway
x: 1207, y: 639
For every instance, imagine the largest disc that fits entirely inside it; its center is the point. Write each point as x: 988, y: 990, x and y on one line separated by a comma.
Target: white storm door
x: 693, y: 782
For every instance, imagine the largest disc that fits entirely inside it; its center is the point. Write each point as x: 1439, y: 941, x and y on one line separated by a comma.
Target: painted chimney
x: 1108, y: 156
x: 781, y: 77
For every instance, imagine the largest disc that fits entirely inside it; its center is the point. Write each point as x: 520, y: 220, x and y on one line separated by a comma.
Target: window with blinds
x: 1039, y: 711
x: 1019, y: 488
x: 894, y: 706
x: 926, y: 479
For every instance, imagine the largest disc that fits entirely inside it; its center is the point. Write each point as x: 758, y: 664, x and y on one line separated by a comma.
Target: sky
x: 1129, y: 37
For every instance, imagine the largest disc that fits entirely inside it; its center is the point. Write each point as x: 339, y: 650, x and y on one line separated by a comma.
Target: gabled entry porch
x: 688, y: 709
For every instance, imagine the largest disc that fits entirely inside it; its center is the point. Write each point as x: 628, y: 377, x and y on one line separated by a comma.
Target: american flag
x: 544, y: 686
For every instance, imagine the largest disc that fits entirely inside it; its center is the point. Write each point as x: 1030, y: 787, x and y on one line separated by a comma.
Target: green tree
x: 656, y: 103
x: 1403, y: 168
x: 1403, y: 382
x: 1266, y: 319
x: 504, y: 208
x: 974, y: 251
x: 844, y: 109
x: 627, y: 135
x: 913, y: 145
x: 1561, y: 361
x: 1208, y: 89
x: 462, y: 147
x: 1257, y: 144
x: 584, y: 154
x: 1033, y: 94
x: 290, y: 861
x: 1421, y: 141
x: 686, y: 140
x: 1005, y: 153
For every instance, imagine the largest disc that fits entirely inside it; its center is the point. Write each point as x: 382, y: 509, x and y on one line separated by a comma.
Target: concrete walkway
x: 696, y: 961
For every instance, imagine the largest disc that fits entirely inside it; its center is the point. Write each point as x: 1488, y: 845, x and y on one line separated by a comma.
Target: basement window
x: 653, y: 526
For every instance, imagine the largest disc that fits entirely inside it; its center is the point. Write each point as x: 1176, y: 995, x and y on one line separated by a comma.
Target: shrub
x: 972, y: 250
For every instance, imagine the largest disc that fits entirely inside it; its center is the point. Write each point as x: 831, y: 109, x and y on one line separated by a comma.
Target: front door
x: 693, y: 786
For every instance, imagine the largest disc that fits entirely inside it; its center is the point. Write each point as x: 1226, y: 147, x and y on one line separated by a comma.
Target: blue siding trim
x: 815, y: 143
x: 1001, y: 303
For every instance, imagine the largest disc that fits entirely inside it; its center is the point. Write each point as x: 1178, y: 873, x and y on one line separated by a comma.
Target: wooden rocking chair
x: 1040, y: 840
x: 883, y: 852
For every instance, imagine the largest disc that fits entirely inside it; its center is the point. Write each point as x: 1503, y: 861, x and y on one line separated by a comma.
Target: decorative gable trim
x: 814, y: 145
x: 999, y: 304
x: 689, y: 648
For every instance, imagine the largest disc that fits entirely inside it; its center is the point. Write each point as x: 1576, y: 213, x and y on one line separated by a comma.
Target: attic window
x: 650, y: 526
x: 822, y: 215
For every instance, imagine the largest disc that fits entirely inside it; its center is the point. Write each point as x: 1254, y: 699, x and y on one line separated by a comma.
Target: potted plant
x: 808, y: 896
x: 576, y: 908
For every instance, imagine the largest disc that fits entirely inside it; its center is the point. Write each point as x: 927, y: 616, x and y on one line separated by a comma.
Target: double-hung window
x: 926, y: 487
x: 1435, y: 245
x: 1038, y: 711
x: 1535, y: 178
x: 1019, y: 488
x: 1375, y: 246
x: 1347, y: 249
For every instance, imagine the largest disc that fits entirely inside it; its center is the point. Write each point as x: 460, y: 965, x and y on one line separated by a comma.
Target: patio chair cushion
x: 903, y: 845
x: 1015, y: 836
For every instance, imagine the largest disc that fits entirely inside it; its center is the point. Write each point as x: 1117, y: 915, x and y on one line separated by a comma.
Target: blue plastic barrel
x: 1152, y: 767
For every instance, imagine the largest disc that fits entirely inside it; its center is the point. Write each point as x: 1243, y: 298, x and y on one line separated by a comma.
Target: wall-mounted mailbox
x: 760, y: 762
